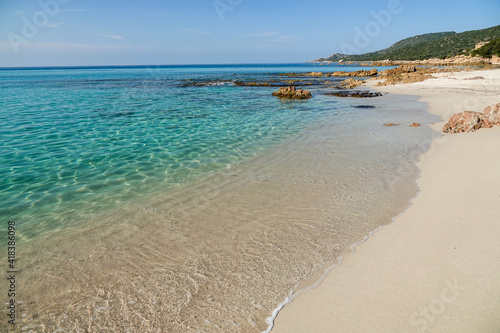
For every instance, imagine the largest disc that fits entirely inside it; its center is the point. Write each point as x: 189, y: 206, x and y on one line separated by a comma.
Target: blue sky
x: 152, y: 32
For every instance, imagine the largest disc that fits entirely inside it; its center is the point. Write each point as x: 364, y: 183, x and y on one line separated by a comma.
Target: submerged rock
x: 355, y: 93
x: 292, y: 92
x: 466, y: 122
x: 391, y: 124
x: 415, y: 125
x: 364, y: 107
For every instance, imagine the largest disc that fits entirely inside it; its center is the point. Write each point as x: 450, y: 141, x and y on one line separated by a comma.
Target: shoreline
x: 395, y: 281
x: 218, y: 253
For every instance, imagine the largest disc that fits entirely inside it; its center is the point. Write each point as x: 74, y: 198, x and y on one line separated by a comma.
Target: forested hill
x: 434, y: 45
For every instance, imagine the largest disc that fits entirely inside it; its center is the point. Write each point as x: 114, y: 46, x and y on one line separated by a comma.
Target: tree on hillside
x: 488, y: 50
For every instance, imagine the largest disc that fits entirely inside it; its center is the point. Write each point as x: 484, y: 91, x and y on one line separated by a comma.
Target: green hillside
x: 488, y: 50
x: 412, y: 41
x: 434, y: 45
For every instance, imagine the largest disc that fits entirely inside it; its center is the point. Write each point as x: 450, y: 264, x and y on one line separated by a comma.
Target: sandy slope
x: 437, y: 268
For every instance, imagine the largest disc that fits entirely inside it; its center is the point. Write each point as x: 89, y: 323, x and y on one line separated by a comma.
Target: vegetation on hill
x: 412, y: 41
x: 488, y: 50
x: 435, y: 45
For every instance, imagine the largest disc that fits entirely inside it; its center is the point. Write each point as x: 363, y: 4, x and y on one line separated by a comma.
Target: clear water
x: 152, y: 204
x: 79, y: 141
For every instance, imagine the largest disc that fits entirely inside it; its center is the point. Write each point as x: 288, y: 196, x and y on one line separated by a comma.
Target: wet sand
x: 221, y: 253
x: 436, y: 268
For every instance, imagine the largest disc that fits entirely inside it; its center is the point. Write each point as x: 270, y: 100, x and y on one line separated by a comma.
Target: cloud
x: 273, y: 37
x: 263, y: 34
x: 73, y: 10
x: 116, y: 37
x: 283, y: 39
x: 51, y: 47
x: 13, y: 12
x: 54, y: 25
x: 196, y: 31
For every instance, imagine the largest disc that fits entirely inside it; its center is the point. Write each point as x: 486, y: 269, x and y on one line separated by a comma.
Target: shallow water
x: 98, y: 138
x: 279, y: 190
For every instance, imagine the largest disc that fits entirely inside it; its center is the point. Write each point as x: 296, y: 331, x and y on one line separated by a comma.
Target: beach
x: 224, y: 168
x: 180, y: 201
x: 435, y: 268
x: 202, y: 205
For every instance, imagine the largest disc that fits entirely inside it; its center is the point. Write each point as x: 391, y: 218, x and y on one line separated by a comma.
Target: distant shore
x: 435, y: 269
x: 454, y: 61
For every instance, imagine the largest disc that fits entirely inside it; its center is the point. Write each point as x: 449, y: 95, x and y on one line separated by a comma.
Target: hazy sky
x: 152, y: 32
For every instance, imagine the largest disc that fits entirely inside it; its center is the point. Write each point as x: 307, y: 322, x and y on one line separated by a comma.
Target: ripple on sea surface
x: 201, y: 210
x: 220, y: 253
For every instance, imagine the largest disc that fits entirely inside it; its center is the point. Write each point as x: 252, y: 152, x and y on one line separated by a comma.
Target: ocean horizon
x: 159, y: 66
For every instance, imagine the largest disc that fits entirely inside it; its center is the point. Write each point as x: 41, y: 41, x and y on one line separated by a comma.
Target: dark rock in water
x: 117, y: 114
x: 292, y: 92
x: 391, y: 124
x: 415, y: 125
x: 364, y: 107
x: 355, y: 93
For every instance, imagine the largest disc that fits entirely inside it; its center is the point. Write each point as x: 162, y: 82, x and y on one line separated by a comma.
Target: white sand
x: 437, y: 267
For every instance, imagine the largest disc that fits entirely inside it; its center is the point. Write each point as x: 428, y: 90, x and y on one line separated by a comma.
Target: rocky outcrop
x: 369, y: 73
x: 372, y: 72
x: 292, y: 92
x: 351, y: 83
x: 354, y: 93
x: 470, y: 121
x: 406, y: 74
x: 314, y: 74
x: 403, y: 69
x: 415, y: 125
x: 493, y: 114
x: 466, y: 122
x: 391, y: 124
x: 457, y: 60
x: 403, y: 79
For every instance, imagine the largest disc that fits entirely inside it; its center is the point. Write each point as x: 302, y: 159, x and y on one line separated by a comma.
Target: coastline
x: 433, y: 269
x: 220, y: 252
x: 290, y: 212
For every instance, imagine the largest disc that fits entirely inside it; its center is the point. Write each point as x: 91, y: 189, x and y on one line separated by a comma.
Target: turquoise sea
x: 180, y: 199
x: 77, y: 141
